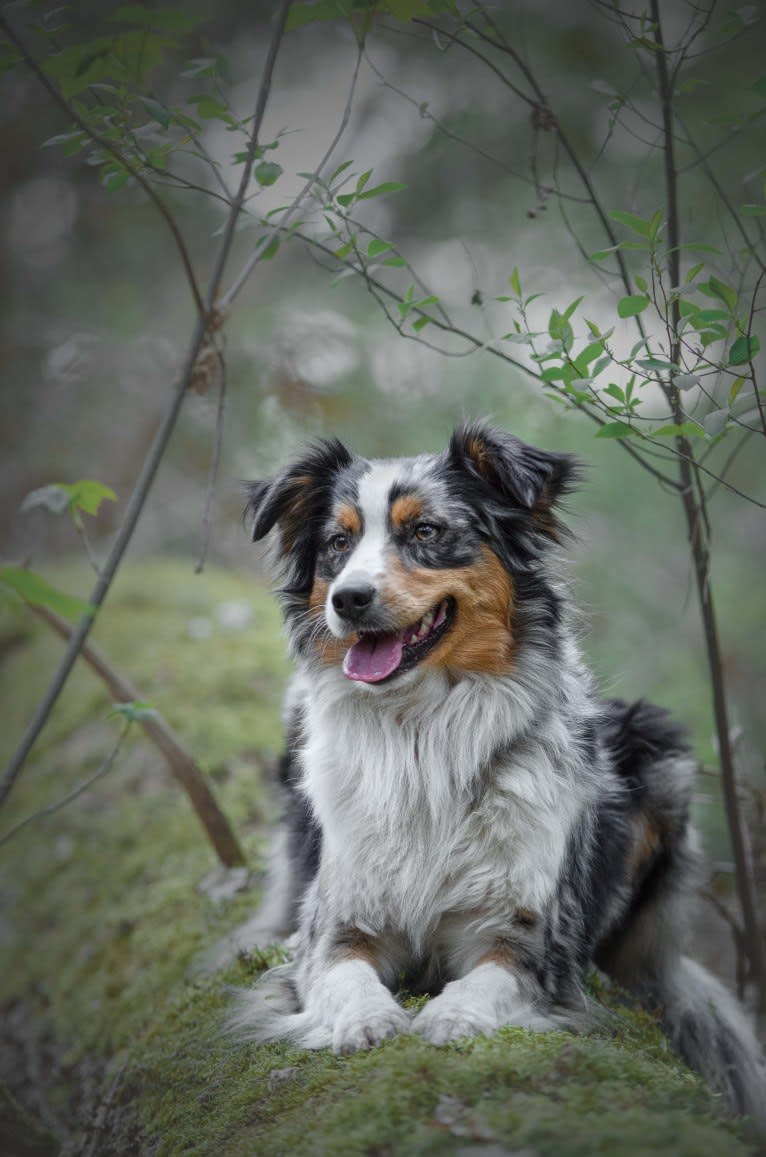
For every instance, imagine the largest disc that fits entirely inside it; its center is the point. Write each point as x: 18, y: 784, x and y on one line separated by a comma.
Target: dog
x: 466, y: 816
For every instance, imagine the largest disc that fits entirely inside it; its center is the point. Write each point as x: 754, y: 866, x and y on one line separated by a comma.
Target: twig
x: 183, y: 767
x: 693, y: 510
x: 162, y: 437
x: 110, y: 148
x: 105, y: 767
x: 207, y: 517
x: 540, y: 102
x: 244, y: 274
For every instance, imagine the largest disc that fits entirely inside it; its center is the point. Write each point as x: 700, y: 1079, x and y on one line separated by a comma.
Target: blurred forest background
x: 96, y: 312
x: 481, y: 205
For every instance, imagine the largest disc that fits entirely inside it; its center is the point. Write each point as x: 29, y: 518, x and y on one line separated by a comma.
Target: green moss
x: 107, y: 920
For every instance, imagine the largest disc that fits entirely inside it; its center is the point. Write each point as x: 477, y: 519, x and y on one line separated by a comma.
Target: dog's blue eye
x: 339, y: 543
x: 426, y: 531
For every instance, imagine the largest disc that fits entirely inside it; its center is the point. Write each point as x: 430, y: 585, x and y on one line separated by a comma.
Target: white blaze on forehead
x: 368, y: 557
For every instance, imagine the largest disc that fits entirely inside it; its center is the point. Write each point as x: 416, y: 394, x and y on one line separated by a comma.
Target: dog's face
x: 396, y: 566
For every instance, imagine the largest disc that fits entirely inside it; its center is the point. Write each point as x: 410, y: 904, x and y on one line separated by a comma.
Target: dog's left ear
x: 295, y: 498
x: 524, y: 475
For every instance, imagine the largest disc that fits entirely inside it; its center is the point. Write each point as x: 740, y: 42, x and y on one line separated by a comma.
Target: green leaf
x: 615, y: 430
x: 570, y: 309
x: 695, y: 269
x: 340, y: 169
x: 38, y: 593
x: 725, y: 293
x: 602, y: 254
x: 420, y: 323
x: 134, y: 712
x: 632, y: 305
x: 515, y: 281
x: 641, y: 283
x: 395, y: 262
x: 588, y: 355
x: 157, y: 111
x: 375, y: 248
x: 363, y: 180
x: 737, y: 385
x: 114, y: 179
x: 753, y: 210
x: 637, y: 224
x: 270, y: 250
x: 745, y: 347
x: 599, y: 366
x: 380, y: 190
x: 267, y: 172
x: 653, y: 363
x: 614, y: 391
x: 211, y: 108
x: 654, y: 224
x: 87, y: 495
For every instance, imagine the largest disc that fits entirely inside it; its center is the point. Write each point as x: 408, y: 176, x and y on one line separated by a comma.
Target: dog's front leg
x: 343, y: 988
x: 493, y: 993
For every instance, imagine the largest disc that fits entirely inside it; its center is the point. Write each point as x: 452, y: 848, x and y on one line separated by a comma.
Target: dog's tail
x: 711, y: 1032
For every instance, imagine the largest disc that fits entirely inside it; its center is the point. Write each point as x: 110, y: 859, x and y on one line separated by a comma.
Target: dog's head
x: 397, y: 565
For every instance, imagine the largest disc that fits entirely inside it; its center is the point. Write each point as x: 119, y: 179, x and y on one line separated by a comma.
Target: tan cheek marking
x: 481, y: 638
x: 405, y: 509
x: 349, y: 519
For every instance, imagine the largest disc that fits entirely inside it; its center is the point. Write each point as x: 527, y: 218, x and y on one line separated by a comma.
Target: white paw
x: 443, y: 1021
x: 365, y: 1028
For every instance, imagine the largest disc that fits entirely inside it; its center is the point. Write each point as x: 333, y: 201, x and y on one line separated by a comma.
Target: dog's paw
x: 365, y: 1028
x: 443, y: 1021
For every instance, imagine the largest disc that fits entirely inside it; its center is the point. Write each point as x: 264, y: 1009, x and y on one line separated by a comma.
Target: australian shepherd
x: 466, y: 816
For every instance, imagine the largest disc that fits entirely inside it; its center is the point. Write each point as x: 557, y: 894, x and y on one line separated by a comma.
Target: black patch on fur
x: 304, y: 835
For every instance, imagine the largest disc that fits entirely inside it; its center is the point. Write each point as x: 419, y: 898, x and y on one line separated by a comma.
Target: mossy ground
x: 104, y: 919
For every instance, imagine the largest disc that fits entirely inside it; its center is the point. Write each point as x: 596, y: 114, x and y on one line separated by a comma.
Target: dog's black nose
x: 352, y: 602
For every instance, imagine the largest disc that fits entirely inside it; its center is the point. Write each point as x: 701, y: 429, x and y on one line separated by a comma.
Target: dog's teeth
x: 425, y: 625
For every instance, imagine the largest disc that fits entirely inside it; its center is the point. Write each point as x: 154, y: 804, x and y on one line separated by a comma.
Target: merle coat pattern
x: 464, y: 811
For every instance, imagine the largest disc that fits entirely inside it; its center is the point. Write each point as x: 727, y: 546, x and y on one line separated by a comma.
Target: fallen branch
x: 181, y: 764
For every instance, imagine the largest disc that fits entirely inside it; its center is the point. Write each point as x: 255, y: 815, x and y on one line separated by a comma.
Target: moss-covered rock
x: 115, y: 1040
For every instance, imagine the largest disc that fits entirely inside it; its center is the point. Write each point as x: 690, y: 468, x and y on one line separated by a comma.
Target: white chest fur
x: 429, y: 804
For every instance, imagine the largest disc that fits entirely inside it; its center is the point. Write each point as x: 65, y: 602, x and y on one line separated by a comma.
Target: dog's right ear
x: 295, y: 496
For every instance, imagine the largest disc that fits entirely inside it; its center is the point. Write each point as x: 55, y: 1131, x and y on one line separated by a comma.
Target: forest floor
x: 113, y: 1041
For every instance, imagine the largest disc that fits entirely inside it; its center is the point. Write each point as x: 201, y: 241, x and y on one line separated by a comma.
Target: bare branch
x: 52, y: 808
x: 257, y: 254
x: 161, y: 439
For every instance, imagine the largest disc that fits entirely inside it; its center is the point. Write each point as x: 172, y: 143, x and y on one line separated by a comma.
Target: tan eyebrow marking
x: 405, y: 509
x: 349, y: 519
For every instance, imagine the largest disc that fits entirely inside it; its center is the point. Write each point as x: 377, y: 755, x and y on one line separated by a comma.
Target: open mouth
x: 377, y: 656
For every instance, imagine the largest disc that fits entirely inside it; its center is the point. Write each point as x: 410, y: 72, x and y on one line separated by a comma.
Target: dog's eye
x: 339, y: 543
x: 426, y: 532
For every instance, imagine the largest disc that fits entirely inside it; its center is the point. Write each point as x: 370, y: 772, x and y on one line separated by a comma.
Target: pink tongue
x: 373, y: 658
